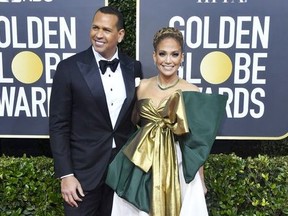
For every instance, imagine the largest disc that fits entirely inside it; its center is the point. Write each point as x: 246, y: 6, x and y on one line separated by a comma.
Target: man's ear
x: 121, y: 34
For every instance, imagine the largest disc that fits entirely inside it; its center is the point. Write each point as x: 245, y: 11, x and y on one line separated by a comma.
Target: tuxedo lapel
x: 91, y: 74
x: 127, y: 68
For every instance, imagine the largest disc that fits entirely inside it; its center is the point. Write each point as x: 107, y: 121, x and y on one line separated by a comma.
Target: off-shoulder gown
x: 156, y: 172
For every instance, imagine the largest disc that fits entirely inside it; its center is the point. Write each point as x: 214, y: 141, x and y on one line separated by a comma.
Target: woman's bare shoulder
x: 186, y: 86
x: 145, y: 82
x: 144, y: 85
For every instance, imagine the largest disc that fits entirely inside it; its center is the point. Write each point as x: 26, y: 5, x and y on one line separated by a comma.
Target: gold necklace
x: 167, y: 87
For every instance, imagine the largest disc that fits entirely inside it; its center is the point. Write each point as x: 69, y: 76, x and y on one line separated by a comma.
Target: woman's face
x: 168, y: 56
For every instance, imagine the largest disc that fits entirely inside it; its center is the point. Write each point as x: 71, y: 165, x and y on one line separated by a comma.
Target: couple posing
x: 126, y: 149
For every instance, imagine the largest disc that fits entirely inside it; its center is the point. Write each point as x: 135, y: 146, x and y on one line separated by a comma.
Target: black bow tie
x: 112, y: 64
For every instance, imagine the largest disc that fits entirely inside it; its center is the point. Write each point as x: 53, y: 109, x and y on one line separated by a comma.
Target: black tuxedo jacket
x: 80, y: 128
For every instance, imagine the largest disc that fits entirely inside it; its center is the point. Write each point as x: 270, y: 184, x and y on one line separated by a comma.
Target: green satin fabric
x: 135, y: 184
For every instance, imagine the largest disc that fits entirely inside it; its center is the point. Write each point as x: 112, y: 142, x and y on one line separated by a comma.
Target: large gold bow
x: 153, y: 147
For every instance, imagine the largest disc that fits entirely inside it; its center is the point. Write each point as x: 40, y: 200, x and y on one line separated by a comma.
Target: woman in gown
x: 157, y: 171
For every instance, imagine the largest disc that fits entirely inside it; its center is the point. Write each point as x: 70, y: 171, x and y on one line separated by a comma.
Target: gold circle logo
x: 216, y: 67
x: 27, y: 67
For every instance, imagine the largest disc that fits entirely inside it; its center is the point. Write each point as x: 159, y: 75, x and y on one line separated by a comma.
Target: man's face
x: 104, y: 34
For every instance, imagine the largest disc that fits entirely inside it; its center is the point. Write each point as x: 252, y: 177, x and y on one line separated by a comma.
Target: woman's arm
x: 201, y: 172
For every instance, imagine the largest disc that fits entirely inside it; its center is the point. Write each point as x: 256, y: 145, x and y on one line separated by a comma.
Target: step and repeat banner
x: 232, y: 47
x: 34, y: 36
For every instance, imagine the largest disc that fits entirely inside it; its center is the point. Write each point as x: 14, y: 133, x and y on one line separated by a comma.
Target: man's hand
x: 71, y: 189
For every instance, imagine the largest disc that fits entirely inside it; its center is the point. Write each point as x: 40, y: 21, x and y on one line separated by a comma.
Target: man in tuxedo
x: 93, y: 94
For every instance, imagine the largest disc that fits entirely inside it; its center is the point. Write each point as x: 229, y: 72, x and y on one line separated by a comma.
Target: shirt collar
x: 98, y: 57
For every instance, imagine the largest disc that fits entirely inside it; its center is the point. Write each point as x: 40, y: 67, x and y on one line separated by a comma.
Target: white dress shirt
x: 114, y: 88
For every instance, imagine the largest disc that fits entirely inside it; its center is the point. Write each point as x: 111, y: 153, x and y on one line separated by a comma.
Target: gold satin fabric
x: 153, y: 147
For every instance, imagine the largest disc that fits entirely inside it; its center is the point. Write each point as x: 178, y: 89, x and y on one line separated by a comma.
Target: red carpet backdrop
x: 233, y: 47
x: 34, y: 36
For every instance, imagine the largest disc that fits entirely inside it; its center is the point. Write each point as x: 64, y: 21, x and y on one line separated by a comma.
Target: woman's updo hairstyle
x: 167, y: 32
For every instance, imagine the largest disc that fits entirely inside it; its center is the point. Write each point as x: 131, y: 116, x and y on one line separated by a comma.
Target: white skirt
x: 192, y: 195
